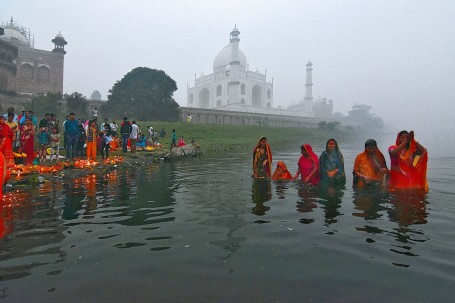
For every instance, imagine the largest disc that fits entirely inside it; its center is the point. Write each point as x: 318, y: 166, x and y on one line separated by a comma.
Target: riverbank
x: 220, y: 137
x: 209, y: 139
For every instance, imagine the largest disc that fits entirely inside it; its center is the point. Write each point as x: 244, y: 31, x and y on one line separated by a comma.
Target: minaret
x: 308, y: 102
x: 233, y: 69
x: 59, y: 44
x: 309, y: 82
x: 58, y: 61
x: 234, y: 41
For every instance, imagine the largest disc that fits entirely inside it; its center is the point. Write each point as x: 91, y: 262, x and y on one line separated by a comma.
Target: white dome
x: 226, y: 56
x: 13, y: 35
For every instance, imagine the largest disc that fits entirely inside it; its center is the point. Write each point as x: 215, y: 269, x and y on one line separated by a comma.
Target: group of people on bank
x: 25, y: 140
x: 23, y: 136
x: 408, y: 165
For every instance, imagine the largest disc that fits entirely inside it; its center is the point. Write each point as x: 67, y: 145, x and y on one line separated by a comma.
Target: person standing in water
x: 308, y: 165
x: 370, y: 168
x: 408, y: 163
x: 262, y: 159
x: 331, y: 163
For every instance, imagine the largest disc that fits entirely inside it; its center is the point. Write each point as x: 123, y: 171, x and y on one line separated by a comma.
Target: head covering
x: 371, y: 142
x: 310, y: 152
x: 284, y: 174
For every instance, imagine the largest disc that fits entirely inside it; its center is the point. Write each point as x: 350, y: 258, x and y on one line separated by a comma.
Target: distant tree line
x: 142, y: 94
x: 58, y: 104
x: 332, y: 125
x: 361, y: 113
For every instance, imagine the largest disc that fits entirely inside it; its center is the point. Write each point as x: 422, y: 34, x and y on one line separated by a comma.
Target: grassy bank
x: 213, y: 137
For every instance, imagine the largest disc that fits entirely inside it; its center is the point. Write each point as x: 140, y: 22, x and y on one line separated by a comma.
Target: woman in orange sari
x: 262, y: 159
x: 6, y: 142
x: 370, y: 167
x: 281, y: 172
x: 408, y: 163
x: 92, y: 133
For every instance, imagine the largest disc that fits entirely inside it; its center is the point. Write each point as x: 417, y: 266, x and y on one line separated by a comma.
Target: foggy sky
x: 397, y: 56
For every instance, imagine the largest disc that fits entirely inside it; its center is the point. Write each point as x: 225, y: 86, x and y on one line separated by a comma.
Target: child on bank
x: 19, y: 156
x: 54, y: 138
x: 43, y: 143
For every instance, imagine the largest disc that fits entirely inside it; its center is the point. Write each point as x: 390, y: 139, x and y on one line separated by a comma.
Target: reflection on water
x: 408, y: 208
x: 261, y: 193
x: 191, y: 221
x: 331, y: 202
x: 308, y: 201
x: 369, y: 203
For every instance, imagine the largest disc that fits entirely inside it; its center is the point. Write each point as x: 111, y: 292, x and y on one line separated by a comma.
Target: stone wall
x: 39, y: 71
x: 210, y: 116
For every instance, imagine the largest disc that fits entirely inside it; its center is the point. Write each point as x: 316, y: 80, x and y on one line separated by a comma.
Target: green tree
x: 143, y: 94
x: 48, y: 103
x: 332, y: 125
x: 322, y: 125
x: 77, y: 103
x: 361, y: 113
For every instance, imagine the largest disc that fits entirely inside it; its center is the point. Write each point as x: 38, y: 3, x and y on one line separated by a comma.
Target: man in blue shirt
x: 71, y: 134
x: 28, y: 114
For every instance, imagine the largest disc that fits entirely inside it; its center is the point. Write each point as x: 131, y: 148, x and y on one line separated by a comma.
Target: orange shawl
x: 281, y: 172
x: 409, y: 170
x: 370, y: 167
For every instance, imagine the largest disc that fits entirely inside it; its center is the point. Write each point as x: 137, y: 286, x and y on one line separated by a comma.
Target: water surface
x: 202, y: 230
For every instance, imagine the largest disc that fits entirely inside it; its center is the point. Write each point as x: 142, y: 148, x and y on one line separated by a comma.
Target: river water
x: 201, y: 230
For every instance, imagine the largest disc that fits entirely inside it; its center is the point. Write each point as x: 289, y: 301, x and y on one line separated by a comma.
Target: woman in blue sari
x: 331, y: 164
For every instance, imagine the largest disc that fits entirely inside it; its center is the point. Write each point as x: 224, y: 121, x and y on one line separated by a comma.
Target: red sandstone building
x: 24, y: 70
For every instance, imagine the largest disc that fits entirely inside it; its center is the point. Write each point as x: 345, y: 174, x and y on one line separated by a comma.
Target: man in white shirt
x: 95, y: 114
x: 114, y: 128
x: 133, y: 136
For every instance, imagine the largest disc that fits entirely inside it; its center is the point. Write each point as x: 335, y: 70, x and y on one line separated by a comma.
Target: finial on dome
x: 235, y: 33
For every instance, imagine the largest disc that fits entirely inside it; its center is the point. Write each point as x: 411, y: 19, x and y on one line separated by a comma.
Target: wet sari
x: 369, y: 166
x: 281, y: 172
x: 260, y: 154
x: 306, y: 165
x: 329, y: 161
x: 408, y: 170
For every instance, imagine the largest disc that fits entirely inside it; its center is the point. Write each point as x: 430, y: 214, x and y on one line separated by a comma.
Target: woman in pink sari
x: 308, y: 165
x: 28, y: 140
